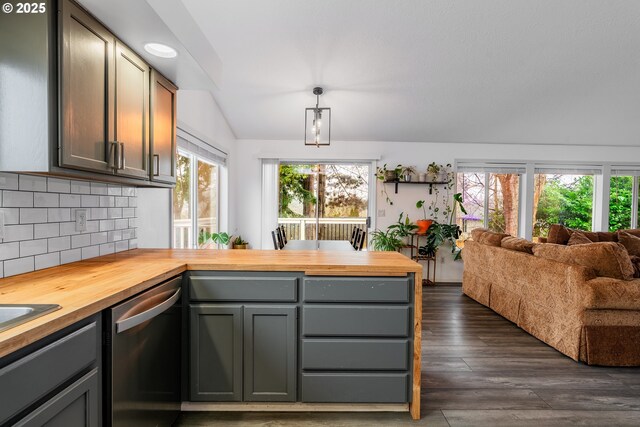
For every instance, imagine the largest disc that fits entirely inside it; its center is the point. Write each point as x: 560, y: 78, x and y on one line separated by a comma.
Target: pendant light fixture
x: 317, y: 123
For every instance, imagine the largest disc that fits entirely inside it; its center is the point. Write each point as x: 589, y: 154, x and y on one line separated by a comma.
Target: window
x: 195, y: 201
x: 491, y: 200
x: 620, y: 202
x: 562, y: 199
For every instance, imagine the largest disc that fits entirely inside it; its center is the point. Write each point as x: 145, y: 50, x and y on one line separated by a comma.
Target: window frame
x: 193, y: 196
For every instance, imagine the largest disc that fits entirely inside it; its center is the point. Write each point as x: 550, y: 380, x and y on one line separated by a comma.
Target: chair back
x: 276, y: 246
x: 283, y: 233
x: 356, y: 238
x: 354, y: 233
x: 360, y: 241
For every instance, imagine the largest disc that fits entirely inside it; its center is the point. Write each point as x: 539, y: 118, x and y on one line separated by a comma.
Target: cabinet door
x: 132, y: 113
x: 163, y: 129
x: 87, y: 79
x: 76, y: 405
x: 270, y: 353
x: 216, y: 353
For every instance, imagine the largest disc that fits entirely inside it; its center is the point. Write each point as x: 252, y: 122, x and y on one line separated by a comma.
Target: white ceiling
x: 507, y: 71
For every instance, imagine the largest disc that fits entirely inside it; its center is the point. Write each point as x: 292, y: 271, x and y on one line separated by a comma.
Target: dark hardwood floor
x: 481, y: 370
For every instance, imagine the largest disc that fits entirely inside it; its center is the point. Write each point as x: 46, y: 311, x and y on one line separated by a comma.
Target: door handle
x: 122, y: 157
x: 113, y: 155
x: 156, y: 165
x: 133, y: 321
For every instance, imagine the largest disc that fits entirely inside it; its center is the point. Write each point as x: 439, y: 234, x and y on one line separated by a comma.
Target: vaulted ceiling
x: 506, y: 71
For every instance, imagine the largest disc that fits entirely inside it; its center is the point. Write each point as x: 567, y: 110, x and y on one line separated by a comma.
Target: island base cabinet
x: 243, y: 353
x: 270, y: 337
x: 76, y: 405
x: 355, y: 387
x: 216, y: 353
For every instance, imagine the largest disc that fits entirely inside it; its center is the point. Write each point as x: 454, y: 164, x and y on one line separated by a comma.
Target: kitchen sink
x: 15, y: 314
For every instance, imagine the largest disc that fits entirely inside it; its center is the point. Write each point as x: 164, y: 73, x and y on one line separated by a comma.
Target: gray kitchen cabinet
x: 270, y: 336
x: 55, y: 380
x: 87, y: 91
x: 76, y: 405
x: 162, y: 126
x: 216, y: 352
x: 132, y: 113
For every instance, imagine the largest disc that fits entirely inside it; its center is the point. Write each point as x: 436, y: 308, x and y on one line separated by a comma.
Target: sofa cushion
x: 477, y: 232
x: 578, y: 238
x: 517, y: 244
x: 606, y: 259
x: 630, y: 242
x: 558, y: 234
x: 492, y: 238
x: 607, y: 236
x: 633, y: 231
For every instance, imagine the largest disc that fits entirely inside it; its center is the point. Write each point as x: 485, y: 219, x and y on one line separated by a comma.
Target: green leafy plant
x: 403, y: 227
x: 240, y: 241
x: 433, y: 168
x: 439, y: 234
x: 457, y: 204
x: 383, y: 174
x: 221, y: 238
x: 386, y: 240
x: 420, y: 204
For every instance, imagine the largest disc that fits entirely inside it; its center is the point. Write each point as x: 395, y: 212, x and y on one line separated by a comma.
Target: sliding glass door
x: 323, y: 201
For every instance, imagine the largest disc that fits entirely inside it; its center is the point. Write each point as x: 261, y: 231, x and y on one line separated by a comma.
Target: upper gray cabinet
x: 132, y: 114
x: 87, y: 83
x: 163, y: 129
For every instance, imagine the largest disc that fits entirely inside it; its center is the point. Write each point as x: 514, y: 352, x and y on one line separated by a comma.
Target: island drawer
x: 37, y: 374
x: 241, y: 288
x: 356, y: 289
x: 355, y: 320
x: 350, y: 354
x: 355, y: 387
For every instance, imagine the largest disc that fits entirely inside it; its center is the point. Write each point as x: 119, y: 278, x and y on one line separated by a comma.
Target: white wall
x: 250, y: 152
x: 199, y: 114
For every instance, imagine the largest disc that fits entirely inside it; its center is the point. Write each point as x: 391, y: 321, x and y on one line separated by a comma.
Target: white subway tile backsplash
x: 90, y: 252
x: 80, y: 241
x: 57, y: 185
x: 33, y: 215
x: 57, y: 244
x: 80, y: 187
x: 15, y: 233
x: 33, y: 247
x: 11, y: 215
x: 107, y: 248
x: 58, y: 214
x: 51, y: 229
x: 18, y: 266
x: 69, y: 201
x: 9, y: 250
x: 9, y: 181
x: 40, y: 229
x: 90, y: 201
x: 98, y: 188
x: 114, y: 190
x: 17, y: 199
x: 47, y: 260
x: 46, y: 200
x: 107, y: 201
x: 70, y: 256
x: 99, y: 238
x: 32, y: 183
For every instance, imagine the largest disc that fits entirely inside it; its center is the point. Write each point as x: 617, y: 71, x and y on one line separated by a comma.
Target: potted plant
x: 433, y: 172
x: 406, y: 172
x: 403, y: 227
x: 240, y: 243
x: 205, y: 238
x: 386, y: 175
x: 423, y: 224
x: 386, y: 240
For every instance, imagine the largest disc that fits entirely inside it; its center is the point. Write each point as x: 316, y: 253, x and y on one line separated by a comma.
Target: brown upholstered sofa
x: 589, y: 318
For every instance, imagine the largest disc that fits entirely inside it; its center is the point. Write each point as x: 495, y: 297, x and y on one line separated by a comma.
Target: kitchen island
x: 336, y: 284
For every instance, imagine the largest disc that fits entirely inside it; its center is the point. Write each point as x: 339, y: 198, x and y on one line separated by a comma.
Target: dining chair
x: 283, y: 234
x: 280, y: 239
x: 276, y: 246
x: 354, y: 232
x: 360, y: 242
x: 356, y: 238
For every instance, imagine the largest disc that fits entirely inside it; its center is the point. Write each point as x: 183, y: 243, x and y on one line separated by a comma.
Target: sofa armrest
x: 612, y: 294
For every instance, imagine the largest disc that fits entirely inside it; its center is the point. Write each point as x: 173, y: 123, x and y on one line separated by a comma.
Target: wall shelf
x: 429, y: 183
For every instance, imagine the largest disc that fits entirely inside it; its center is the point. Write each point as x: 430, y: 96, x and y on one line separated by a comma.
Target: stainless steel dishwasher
x: 142, y: 358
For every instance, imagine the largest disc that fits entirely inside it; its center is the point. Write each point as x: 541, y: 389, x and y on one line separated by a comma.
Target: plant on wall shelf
x: 385, y: 175
x: 406, y: 172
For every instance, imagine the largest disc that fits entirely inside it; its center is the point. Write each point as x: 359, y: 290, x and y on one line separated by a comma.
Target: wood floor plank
x: 538, y: 418
x: 625, y: 399
x: 482, y: 399
x: 444, y: 364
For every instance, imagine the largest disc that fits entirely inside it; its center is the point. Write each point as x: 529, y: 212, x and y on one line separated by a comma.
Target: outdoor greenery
x: 621, y: 197
x: 568, y: 202
x: 294, y: 186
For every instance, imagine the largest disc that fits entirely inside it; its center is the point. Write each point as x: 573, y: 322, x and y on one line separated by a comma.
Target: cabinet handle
x: 113, y: 155
x: 156, y: 165
x: 123, y: 164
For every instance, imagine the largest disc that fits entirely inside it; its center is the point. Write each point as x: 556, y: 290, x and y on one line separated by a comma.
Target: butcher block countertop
x: 87, y: 287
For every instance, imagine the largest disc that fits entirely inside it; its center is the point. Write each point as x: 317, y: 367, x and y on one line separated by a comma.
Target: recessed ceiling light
x: 161, y: 50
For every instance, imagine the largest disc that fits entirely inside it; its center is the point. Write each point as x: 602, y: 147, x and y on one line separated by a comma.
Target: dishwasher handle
x: 133, y: 321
